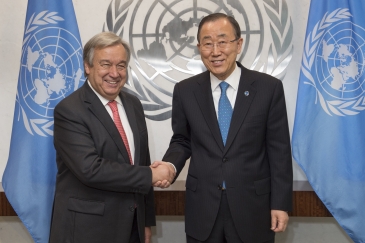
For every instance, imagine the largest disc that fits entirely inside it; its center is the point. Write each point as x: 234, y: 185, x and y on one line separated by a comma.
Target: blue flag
x: 51, y: 68
x: 329, y: 134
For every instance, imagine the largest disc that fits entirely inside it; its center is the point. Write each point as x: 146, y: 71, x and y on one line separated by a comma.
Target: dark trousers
x: 223, y: 230
x: 134, y: 233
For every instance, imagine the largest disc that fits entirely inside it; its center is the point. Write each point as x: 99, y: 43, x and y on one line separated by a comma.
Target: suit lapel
x: 131, y: 115
x: 242, y: 104
x: 204, y: 98
x: 96, y: 107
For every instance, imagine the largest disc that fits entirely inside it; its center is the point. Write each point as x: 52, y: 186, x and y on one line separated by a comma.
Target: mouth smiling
x: 217, y: 62
x: 111, y: 82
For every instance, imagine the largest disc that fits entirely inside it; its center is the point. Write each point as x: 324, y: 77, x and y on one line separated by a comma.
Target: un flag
x: 329, y: 134
x: 51, y: 68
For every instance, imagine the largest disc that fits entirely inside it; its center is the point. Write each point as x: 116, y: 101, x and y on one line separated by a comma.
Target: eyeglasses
x: 209, y: 46
x: 107, y: 65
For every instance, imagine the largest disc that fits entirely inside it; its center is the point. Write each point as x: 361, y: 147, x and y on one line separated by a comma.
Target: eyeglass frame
x: 217, y: 44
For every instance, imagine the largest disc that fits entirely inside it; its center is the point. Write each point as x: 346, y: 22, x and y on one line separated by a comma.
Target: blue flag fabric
x: 329, y: 134
x: 51, y: 68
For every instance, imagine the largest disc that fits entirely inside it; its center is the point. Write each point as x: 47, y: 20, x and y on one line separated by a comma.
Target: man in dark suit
x: 104, y: 183
x: 232, y: 122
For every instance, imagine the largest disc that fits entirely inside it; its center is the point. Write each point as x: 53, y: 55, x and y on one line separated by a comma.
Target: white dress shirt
x: 233, y: 80
x: 123, y: 118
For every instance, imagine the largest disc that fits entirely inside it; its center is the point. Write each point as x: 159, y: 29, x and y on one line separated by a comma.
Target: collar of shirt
x: 233, y: 80
x: 102, y: 99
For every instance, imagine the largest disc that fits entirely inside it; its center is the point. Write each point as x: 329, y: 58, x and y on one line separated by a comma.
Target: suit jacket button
x: 131, y: 208
x: 225, y: 160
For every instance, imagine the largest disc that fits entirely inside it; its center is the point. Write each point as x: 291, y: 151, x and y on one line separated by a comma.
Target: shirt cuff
x: 173, y: 166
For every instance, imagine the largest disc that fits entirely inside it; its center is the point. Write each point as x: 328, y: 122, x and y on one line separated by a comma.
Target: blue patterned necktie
x: 224, y: 112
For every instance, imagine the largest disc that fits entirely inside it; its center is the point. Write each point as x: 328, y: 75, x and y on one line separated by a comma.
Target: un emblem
x: 51, y: 69
x: 333, y: 63
x: 162, y: 36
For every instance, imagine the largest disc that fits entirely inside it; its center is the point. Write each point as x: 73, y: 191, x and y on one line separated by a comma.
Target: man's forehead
x: 107, y: 50
x: 222, y: 35
x: 217, y: 28
x: 109, y: 57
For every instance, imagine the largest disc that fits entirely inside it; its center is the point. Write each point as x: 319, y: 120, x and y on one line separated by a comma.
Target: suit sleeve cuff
x: 172, y: 166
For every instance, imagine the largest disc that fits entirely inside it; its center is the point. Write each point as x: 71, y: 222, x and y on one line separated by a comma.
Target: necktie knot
x: 224, y: 86
x: 113, y: 105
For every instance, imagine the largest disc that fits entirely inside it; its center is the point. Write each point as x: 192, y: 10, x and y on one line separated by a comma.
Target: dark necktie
x: 118, y: 124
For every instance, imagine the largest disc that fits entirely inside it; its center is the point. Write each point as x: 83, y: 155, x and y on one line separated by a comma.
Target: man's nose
x: 113, y: 71
x: 216, y: 51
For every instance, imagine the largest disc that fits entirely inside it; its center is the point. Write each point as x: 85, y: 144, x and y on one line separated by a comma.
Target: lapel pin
x: 247, y: 93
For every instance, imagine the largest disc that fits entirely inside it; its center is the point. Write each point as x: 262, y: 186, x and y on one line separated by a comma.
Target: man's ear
x: 198, y: 46
x: 240, y: 43
x: 87, y: 68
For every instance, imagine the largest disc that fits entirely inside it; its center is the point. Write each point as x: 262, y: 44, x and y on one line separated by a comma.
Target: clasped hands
x: 163, y: 173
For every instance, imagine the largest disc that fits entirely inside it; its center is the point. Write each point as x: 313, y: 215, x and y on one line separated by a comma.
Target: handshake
x: 163, y: 173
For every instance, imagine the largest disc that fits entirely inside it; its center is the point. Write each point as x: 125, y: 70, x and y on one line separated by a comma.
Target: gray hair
x: 215, y: 16
x: 100, y: 41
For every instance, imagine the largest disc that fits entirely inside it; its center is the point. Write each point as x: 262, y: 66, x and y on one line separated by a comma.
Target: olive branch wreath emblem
x: 336, y: 107
x: 281, y: 29
x: 279, y: 56
x: 38, y: 126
